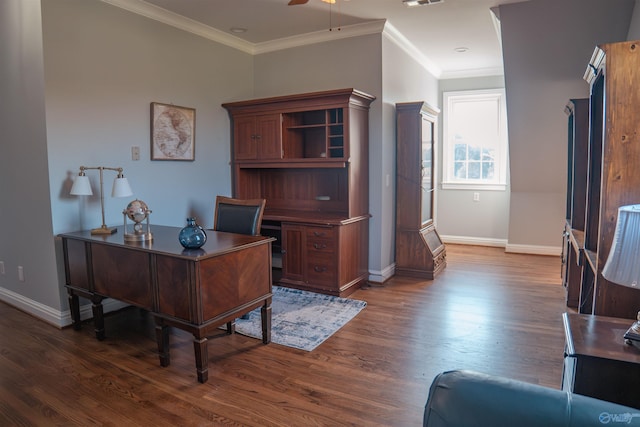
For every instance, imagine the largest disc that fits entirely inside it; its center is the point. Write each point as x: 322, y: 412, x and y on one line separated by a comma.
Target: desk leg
x: 74, y: 306
x: 98, y: 317
x: 231, y: 327
x: 265, y: 315
x: 202, y: 358
x: 162, y: 338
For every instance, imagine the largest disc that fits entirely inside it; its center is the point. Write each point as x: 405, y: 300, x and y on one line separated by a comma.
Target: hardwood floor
x: 488, y: 311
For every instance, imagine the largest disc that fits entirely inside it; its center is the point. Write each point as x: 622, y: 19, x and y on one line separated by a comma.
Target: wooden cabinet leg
x: 98, y: 318
x: 202, y: 359
x: 74, y: 306
x: 162, y: 339
x: 265, y: 315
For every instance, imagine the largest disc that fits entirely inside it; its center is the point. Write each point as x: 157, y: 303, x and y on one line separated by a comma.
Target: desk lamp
x: 623, y: 265
x: 82, y: 187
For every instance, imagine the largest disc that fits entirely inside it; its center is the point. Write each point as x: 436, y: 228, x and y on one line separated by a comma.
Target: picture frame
x: 173, y: 132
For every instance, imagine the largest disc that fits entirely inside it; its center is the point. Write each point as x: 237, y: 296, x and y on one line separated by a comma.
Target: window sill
x: 473, y: 186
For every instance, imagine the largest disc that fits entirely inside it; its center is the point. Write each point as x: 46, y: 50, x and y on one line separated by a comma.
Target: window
x: 475, y: 140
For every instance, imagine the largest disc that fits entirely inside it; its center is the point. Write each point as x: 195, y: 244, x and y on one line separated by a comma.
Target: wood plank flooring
x: 488, y: 311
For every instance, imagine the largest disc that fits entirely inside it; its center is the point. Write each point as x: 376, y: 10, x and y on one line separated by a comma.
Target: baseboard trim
x: 57, y: 318
x: 534, y: 250
x: 503, y: 243
x: 476, y: 241
x: 381, y: 276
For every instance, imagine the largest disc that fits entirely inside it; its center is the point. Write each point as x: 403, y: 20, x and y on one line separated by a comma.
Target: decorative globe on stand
x: 137, y: 211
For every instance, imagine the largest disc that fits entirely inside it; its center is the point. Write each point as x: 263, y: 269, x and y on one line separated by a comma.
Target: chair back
x: 243, y: 216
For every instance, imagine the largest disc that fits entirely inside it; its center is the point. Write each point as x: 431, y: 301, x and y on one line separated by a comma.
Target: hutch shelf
x: 577, y: 111
x: 608, y: 178
x: 307, y: 155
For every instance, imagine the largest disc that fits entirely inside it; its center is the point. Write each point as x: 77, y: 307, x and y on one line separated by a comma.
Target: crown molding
x: 355, y: 30
x: 475, y: 72
x: 159, y: 14
x: 143, y: 8
x: 403, y: 43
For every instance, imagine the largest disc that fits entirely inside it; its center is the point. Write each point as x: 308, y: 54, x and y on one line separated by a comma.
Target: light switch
x: 135, y: 153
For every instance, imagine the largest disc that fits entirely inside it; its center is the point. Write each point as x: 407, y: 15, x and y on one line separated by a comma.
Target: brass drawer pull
x: 319, y: 269
x: 319, y: 233
x: 319, y: 246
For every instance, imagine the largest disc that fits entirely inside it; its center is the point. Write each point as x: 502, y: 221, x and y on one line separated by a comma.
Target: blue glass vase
x: 192, y: 236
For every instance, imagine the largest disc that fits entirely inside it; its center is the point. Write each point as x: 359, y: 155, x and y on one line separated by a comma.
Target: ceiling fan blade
x: 295, y: 2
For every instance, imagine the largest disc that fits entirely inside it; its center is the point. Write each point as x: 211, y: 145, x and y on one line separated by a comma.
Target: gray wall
x: 375, y: 65
x: 544, y: 65
x: 103, y: 67
x: 485, y: 222
x: 82, y: 98
x: 25, y: 209
x: 403, y: 80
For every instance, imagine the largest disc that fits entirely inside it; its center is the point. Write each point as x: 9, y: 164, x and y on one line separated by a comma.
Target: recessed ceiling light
x: 238, y: 30
x: 461, y: 49
x: 412, y: 3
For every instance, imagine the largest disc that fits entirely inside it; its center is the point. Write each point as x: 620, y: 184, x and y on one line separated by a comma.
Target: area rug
x: 301, y: 319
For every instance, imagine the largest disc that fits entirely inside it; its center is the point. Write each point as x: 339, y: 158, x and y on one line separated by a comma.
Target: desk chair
x: 242, y: 216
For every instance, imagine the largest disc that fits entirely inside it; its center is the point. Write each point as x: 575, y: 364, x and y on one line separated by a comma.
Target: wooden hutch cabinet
x: 307, y: 155
x: 577, y: 111
x: 419, y: 250
x: 613, y: 171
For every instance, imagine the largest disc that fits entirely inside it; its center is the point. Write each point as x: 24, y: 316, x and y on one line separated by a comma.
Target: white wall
x: 547, y: 45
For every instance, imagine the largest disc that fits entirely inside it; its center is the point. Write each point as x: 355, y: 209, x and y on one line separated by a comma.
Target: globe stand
x: 137, y: 212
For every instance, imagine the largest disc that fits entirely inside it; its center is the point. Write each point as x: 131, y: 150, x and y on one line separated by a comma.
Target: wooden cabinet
x: 314, y: 174
x: 577, y: 111
x: 258, y: 137
x: 613, y: 172
x: 419, y: 249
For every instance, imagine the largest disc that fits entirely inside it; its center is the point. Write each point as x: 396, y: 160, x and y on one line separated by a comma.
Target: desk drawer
x: 321, y: 269
x: 123, y: 274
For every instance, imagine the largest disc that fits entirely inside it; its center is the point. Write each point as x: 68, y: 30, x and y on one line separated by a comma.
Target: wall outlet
x: 20, y: 273
x: 135, y: 153
x: 2, y: 267
x: 476, y: 197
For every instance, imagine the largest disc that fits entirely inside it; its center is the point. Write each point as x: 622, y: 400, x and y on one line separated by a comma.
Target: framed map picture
x: 173, y: 132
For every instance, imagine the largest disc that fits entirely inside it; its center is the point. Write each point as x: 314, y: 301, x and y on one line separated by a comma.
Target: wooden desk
x: 598, y: 363
x: 196, y: 290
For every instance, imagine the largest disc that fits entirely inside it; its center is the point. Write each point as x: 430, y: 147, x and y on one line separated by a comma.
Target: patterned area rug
x: 301, y: 319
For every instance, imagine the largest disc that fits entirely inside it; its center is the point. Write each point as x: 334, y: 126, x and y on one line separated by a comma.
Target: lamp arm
x: 101, y: 169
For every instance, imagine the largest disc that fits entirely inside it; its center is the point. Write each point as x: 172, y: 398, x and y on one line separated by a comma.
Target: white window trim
x: 447, y: 170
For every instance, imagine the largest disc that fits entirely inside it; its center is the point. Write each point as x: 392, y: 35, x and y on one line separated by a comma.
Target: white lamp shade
x: 121, y: 188
x: 81, y: 186
x: 623, y: 265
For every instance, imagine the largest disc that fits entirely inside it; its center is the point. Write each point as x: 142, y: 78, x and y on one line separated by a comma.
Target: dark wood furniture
x: 577, y: 111
x: 598, y: 362
x: 196, y: 290
x: 242, y: 216
x: 307, y: 155
x: 419, y: 249
x: 612, y: 178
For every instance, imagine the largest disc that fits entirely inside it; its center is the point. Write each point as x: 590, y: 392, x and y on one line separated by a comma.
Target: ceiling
x: 430, y: 33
